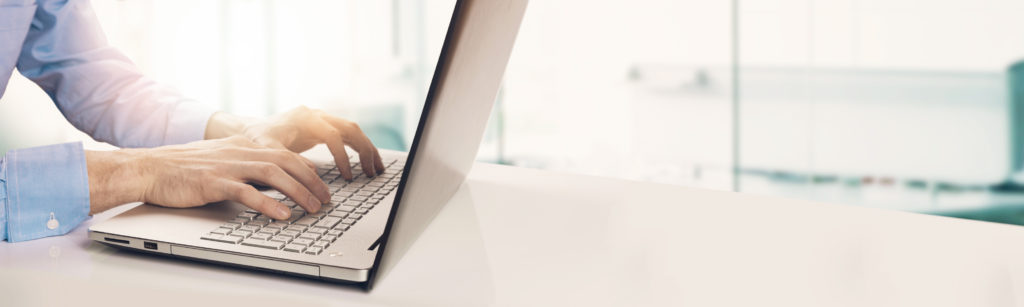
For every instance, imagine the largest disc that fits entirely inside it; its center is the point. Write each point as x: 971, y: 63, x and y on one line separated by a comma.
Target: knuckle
x: 240, y: 190
x: 332, y: 131
x: 266, y: 169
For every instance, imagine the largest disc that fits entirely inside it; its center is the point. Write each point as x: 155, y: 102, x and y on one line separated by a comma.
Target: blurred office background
x: 901, y: 104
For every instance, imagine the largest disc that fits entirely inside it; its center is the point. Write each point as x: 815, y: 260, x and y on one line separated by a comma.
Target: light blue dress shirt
x: 44, y: 191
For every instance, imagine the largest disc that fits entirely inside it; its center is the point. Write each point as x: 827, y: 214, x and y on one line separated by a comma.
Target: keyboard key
x: 263, y: 244
x: 289, y: 233
x: 321, y: 244
x: 297, y: 227
x: 358, y: 198
x: 319, y: 231
x: 309, y: 236
x: 327, y: 222
x: 345, y: 208
x: 238, y: 220
x: 250, y: 228
x: 258, y: 223
x: 334, y: 232
x: 302, y: 241
x: 306, y: 221
x: 329, y: 238
x: 247, y: 215
x: 260, y: 236
x: 362, y: 210
x: 241, y: 233
x: 221, y: 238
x: 342, y: 227
x: 348, y: 221
x: 283, y: 239
x: 270, y: 230
x: 224, y: 231
x: 335, y: 187
x: 338, y: 214
x: 314, y: 251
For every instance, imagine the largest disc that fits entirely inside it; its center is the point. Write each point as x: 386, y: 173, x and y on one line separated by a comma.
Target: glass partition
x: 900, y: 104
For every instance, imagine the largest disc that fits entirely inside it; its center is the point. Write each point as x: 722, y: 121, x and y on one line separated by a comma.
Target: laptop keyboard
x: 312, y: 233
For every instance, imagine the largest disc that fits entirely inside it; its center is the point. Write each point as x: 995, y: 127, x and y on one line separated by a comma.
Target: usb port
x: 149, y: 245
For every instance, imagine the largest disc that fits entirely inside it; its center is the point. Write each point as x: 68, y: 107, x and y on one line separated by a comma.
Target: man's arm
x: 97, y: 88
x: 101, y: 92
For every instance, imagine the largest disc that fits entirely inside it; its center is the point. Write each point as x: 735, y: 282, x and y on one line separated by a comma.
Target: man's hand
x: 202, y: 172
x: 299, y: 130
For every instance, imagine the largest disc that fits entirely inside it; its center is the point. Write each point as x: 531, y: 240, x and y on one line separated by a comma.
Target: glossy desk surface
x: 520, y: 237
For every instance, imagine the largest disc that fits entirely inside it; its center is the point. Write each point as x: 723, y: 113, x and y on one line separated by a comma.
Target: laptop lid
x: 462, y: 92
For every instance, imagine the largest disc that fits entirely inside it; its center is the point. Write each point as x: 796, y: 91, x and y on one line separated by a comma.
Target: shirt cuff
x: 47, y: 191
x: 188, y: 123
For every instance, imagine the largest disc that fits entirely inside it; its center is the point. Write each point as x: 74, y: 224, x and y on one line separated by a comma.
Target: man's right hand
x: 203, y: 172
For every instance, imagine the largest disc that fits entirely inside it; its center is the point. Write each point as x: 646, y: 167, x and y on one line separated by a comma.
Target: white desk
x: 519, y: 237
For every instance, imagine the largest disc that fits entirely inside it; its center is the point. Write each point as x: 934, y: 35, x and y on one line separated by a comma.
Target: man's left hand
x: 299, y: 130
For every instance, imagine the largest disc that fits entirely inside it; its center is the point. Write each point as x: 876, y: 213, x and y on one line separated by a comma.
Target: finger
x: 359, y: 142
x: 252, y: 198
x: 293, y: 164
x: 367, y: 159
x: 378, y: 162
x: 272, y: 175
x: 337, y: 148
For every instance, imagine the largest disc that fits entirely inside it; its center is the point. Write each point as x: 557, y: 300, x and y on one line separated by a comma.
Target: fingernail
x: 283, y: 213
x: 314, y: 203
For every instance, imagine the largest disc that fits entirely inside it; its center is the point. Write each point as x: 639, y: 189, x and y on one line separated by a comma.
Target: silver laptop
x: 370, y: 222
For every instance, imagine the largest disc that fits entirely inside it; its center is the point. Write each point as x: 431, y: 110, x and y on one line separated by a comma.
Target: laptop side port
x: 149, y: 245
x: 119, y: 241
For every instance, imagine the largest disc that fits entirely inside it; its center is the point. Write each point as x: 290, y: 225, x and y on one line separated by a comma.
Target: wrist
x: 222, y: 125
x: 115, y: 178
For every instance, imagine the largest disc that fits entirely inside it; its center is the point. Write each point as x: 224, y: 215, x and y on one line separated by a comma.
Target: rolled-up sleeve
x: 44, y: 191
x: 97, y: 88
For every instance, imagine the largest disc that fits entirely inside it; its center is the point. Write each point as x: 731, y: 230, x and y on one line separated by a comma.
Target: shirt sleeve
x: 44, y: 191
x: 97, y: 88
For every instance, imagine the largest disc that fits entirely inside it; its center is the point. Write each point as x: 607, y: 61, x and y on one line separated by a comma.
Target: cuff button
x: 52, y: 223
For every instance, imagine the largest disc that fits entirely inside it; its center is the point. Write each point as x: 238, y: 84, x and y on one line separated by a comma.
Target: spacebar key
x: 263, y: 244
